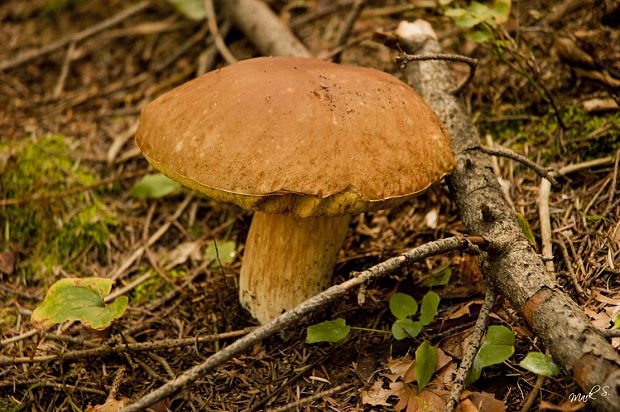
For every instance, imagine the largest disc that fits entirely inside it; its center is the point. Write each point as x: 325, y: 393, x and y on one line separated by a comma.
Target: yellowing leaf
x: 79, y: 299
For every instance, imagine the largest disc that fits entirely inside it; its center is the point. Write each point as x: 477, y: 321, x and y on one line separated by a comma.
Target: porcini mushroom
x: 305, y: 144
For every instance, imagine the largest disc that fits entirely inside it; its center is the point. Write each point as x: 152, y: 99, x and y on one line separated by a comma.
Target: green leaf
x: 501, y: 10
x: 405, y: 328
x: 155, y: 186
x: 425, y: 361
x: 480, y: 36
x: 467, y: 20
x: 497, y: 346
x: 225, y: 251
x: 428, y: 311
x: 456, y: 12
x: 440, y: 279
x: 328, y: 331
x: 540, y: 364
x: 79, y: 299
x: 193, y: 9
x: 402, y: 305
x: 526, y: 229
x: 617, y: 321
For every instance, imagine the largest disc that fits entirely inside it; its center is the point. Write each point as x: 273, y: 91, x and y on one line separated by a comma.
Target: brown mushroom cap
x: 297, y: 136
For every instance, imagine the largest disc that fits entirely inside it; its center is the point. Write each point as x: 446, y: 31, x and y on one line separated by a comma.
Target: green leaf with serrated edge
x: 226, y: 252
x: 155, y: 186
x: 425, y: 361
x: 526, y: 229
x: 497, y: 346
x: 540, y: 364
x: 428, y: 310
x: 405, y: 328
x: 402, y: 305
x: 79, y: 299
x: 328, y: 331
x: 440, y: 279
x: 193, y: 9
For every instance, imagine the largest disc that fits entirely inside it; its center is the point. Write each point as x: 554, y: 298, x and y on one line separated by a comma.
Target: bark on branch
x: 514, y: 268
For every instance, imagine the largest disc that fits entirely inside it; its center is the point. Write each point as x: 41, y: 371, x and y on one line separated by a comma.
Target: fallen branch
x: 514, y: 268
x: 294, y: 316
x: 268, y: 33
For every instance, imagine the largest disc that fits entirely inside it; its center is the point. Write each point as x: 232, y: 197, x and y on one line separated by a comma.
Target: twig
x: 545, y: 224
x: 136, y: 347
x: 219, y: 41
x: 457, y: 58
x: 293, y: 316
x: 55, y: 195
x: 347, y: 28
x: 611, y: 333
x: 470, y: 352
x: 27, y: 55
x: 64, y: 71
x: 503, y: 152
x: 531, y: 398
x: 584, y: 165
x: 317, y: 396
x: 569, y: 267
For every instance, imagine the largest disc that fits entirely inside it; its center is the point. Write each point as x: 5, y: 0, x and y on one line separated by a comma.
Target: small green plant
x: 481, y: 17
x: 425, y: 360
x: 402, y: 306
x: 79, y: 299
x: 155, y: 186
x: 497, y: 346
x: 540, y: 364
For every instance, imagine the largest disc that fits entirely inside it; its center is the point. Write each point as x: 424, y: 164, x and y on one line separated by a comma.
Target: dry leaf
x: 182, y: 252
x: 110, y: 405
x: 428, y: 401
x: 7, y: 262
x: 463, y: 310
x: 486, y: 402
x: 377, y: 395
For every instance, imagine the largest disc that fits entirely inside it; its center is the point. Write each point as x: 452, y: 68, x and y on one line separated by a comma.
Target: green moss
x: 56, y: 231
x: 587, y: 136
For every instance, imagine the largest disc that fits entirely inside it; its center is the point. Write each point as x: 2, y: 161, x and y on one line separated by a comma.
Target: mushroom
x: 305, y: 144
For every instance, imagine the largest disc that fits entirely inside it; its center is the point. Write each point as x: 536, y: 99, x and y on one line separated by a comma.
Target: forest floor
x: 546, y: 87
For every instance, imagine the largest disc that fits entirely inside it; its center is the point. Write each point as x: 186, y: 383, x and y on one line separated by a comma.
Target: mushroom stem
x: 287, y: 260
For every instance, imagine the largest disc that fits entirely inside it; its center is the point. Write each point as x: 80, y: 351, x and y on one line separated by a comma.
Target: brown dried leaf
x: 7, y: 262
x: 110, y: 405
x: 377, y: 395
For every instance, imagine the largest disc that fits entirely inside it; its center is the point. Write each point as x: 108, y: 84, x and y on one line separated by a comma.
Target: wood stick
x: 514, y: 269
x: 268, y: 33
